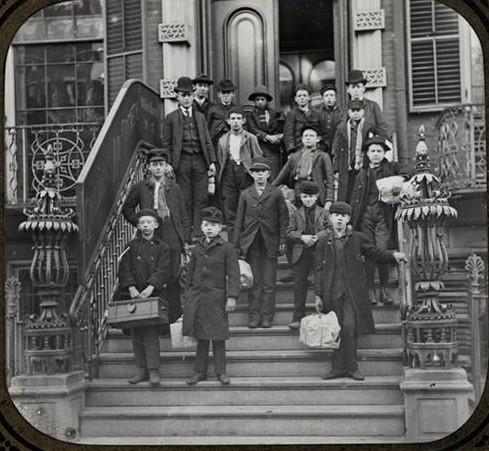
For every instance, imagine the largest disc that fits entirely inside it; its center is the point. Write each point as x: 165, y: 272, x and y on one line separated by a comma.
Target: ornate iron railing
x: 462, y: 147
x: 14, y: 325
x: 26, y: 147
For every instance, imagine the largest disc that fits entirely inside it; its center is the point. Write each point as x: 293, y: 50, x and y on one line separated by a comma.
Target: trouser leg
x: 199, y: 190
x: 230, y: 197
x: 138, y: 347
x: 255, y: 293
x: 382, y: 236
x: 201, y: 357
x: 184, y: 179
x: 269, y: 279
x: 301, y: 271
x: 349, y: 335
x: 151, y: 337
x: 219, y: 352
x: 367, y: 226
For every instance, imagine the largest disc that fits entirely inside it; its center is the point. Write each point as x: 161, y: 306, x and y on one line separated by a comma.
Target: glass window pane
x: 34, y: 55
x: 64, y: 9
x: 35, y: 87
x: 59, y: 28
x: 60, y: 53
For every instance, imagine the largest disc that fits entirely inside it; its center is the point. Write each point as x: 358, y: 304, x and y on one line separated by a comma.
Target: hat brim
x: 260, y: 168
x: 201, y: 80
x: 253, y: 95
x: 183, y: 90
x: 354, y: 81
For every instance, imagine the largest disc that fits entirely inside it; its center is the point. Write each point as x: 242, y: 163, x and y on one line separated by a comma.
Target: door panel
x: 245, y: 42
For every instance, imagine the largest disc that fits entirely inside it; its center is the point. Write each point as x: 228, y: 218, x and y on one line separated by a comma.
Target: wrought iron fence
x: 462, y: 147
x: 26, y: 146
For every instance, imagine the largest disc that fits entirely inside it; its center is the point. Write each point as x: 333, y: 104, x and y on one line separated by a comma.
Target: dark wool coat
x: 294, y: 121
x: 297, y: 227
x: 329, y: 119
x: 173, y: 136
x: 142, y: 195
x: 217, y: 120
x: 340, y: 153
x: 321, y: 173
x: 275, y: 126
x: 374, y: 114
x: 204, y: 108
x: 213, y: 276
x: 267, y: 213
x: 360, y: 193
x: 356, y: 246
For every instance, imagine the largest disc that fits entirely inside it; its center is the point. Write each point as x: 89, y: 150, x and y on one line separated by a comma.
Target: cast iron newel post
x: 431, y: 327
x: 48, y: 338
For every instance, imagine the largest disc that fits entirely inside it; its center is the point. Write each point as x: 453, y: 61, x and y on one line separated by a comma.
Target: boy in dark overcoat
x: 144, y: 270
x: 330, y: 117
x: 202, y: 85
x: 307, y: 224
x: 268, y: 125
x: 186, y: 137
x: 340, y: 286
x: 218, y: 112
x: 213, y: 284
x: 259, y: 235
x: 161, y: 194
x: 372, y: 216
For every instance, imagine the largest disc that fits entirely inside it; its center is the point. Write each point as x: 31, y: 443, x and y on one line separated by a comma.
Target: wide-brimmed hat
x: 377, y: 139
x: 260, y: 163
x: 147, y: 212
x: 328, y: 87
x: 260, y: 90
x: 211, y: 214
x: 157, y: 154
x: 225, y: 85
x: 355, y: 76
x: 184, y: 84
x: 340, y: 208
x: 309, y: 187
x: 203, y: 78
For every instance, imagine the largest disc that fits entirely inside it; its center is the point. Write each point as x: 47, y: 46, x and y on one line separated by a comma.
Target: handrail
x: 113, y: 166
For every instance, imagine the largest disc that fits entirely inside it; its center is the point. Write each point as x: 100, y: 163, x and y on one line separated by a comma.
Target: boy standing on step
x: 307, y: 224
x: 143, y: 272
x: 259, y: 235
x: 213, y: 284
x: 340, y: 286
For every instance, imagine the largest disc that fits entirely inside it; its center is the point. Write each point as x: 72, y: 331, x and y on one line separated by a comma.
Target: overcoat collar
x: 317, y: 212
x: 330, y: 234
x: 217, y: 241
x: 148, y: 181
x: 266, y: 192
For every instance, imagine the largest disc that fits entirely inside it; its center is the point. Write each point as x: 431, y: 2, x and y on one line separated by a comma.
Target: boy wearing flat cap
x: 202, y: 85
x: 301, y: 114
x: 186, y: 137
x: 372, y: 216
x: 330, y: 117
x: 218, y: 113
x: 259, y: 235
x: 267, y: 124
x: 347, y: 147
x: 161, y: 194
x: 235, y: 151
x: 144, y: 270
x: 339, y: 286
x: 307, y: 224
x: 213, y: 284
x: 309, y: 164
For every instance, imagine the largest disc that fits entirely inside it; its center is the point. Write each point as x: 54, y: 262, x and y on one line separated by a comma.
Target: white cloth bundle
x: 320, y: 331
x: 245, y: 274
x: 390, y: 189
x: 177, y: 339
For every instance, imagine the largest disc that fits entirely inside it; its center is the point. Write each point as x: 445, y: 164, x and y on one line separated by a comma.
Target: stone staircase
x: 276, y: 393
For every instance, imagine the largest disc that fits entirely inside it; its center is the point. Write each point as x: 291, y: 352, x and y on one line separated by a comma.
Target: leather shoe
x: 196, y: 377
x: 223, y: 379
x: 266, y: 323
x: 334, y: 374
x: 142, y: 375
x: 384, y: 297
x: 294, y: 325
x: 372, y: 298
x: 254, y: 323
x: 356, y: 375
x: 154, y: 377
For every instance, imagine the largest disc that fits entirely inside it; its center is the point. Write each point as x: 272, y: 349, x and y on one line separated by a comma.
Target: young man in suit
x: 218, y: 112
x: 330, y: 117
x: 202, y: 85
x: 260, y: 232
x: 186, y: 137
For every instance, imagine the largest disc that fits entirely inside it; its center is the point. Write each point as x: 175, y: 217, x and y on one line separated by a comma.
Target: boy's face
x: 310, y: 138
x: 201, y: 89
x: 375, y: 154
x: 157, y: 168
x: 356, y: 114
x: 339, y: 221
x: 185, y: 99
x: 260, y: 176
x: 329, y: 97
x: 302, y: 98
x: 236, y: 121
x: 226, y: 97
x: 210, y: 229
x: 356, y: 90
x: 147, y: 225
x: 308, y: 200
x: 261, y: 102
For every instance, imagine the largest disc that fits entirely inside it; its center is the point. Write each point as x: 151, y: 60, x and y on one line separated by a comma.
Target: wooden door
x: 245, y: 44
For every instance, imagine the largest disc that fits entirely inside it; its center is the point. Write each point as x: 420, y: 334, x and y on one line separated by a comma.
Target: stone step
x: 275, y: 338
x: 260, y: 363
x: 247, y: 391
x: 271, y: 420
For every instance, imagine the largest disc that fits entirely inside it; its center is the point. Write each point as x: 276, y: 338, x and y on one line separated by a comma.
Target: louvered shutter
x: 434, y: 41
x: 124, y: 44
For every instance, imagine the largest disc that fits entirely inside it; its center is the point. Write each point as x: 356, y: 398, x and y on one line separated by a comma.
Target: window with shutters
x: 435, y: 61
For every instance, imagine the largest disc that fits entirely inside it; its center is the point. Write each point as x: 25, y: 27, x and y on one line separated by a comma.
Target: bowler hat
x: 355, y: 76
x: 309, y: 127
x: 309, y: 187
x: 203, y: 78
x: 211, y: 214
x: 302, y: 87
x: 147, y: 212
x: 225, y: 85
x: 328, y: 87
x: 158, y: 155
x: 262, y: 91
x: 184, y: 84
x: 377, y: 139
x: 260, y: 163
x: 341, y: 208
x: 356, y: 104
